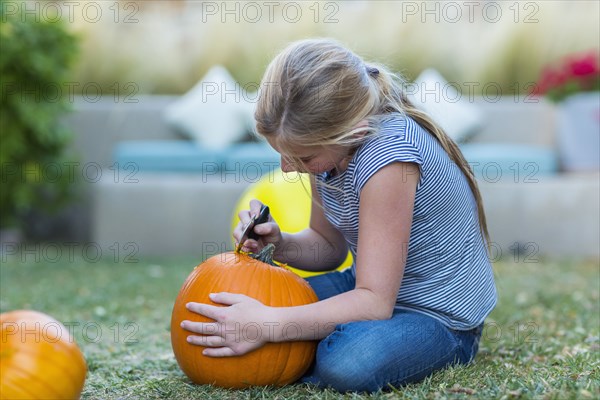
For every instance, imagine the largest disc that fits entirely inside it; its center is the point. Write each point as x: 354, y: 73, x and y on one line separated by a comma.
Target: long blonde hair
x: 316, y: 91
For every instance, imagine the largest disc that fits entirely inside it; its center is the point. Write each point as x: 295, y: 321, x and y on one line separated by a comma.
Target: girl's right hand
x: 269, y: 232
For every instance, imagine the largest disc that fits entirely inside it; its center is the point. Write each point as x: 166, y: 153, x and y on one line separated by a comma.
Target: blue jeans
x: 367, y: 356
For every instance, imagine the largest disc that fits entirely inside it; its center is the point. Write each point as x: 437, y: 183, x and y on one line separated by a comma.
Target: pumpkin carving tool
x: 248, y: 232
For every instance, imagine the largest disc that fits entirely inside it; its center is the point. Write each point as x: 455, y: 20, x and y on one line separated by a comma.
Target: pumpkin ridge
x: 221, y: 282
x: 284, y: 351
x: 27, y: 375
x: 286, y: 373
x: 41, y: 356
x: 309, y: 297
x: 179, y: 310
x: 304, y: 297
x: 269, y: 291
x: 271, y: 294
x: 256, y: 268
x: 289, y: 350
x: 211, y: 281
x: 266, y: 358
x: 259, y: 270
x: 7, y: 380
x: 188, y: 282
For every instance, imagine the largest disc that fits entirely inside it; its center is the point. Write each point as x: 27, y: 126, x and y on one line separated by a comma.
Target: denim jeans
x: 366, y: 356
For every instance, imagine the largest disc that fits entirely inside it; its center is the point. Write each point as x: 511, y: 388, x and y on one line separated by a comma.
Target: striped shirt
x: 447, y: 275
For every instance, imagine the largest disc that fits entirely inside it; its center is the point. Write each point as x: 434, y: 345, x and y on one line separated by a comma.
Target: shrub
x: 34, y: 63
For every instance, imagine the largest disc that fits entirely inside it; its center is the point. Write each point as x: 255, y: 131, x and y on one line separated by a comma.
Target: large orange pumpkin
x: 274, y: 363
x: 38, y: 358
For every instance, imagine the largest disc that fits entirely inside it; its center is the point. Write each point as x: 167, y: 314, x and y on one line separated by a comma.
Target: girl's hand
x: 269, y: 232
x: 237, y: 330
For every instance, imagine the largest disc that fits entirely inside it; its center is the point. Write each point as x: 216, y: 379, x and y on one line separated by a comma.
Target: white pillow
x: 450, y: 109
x: 214, y: 113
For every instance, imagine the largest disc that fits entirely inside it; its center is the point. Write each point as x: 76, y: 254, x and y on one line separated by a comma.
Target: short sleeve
x: 380, y: 151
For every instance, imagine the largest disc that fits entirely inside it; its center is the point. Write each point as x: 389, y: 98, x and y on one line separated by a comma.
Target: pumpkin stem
x: 266, y: 255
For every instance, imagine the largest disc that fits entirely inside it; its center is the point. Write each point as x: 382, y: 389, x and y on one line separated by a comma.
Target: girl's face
x: 315, y: 159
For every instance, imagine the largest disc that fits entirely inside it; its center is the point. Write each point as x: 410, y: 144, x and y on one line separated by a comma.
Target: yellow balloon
x: 288, y: 198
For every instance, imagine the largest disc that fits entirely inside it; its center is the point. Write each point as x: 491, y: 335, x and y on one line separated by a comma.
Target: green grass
x: 541, y: 341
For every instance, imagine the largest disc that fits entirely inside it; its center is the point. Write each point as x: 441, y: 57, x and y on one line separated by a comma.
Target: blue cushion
x: 519, y: 163
x: 167, y: 156
x: 251, y: 160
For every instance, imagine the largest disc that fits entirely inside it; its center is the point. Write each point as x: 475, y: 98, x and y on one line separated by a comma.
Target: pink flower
x: 551, y: 79
x: 573, y: 74
x: 586, y: 66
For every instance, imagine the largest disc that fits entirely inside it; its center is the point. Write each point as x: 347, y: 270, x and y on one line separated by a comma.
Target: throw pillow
x: 450, y: 109
x: 214, y: 113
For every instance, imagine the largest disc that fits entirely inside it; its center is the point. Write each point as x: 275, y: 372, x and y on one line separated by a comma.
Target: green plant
x: 34, y: 64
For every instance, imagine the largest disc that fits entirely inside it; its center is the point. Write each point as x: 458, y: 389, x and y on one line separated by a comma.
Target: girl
x: 389, y: 185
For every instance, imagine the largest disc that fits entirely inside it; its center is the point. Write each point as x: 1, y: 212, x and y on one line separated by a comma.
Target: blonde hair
x: 315, y: 93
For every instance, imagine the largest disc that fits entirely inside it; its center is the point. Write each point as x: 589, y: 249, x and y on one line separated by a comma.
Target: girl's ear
x: 362, y: 124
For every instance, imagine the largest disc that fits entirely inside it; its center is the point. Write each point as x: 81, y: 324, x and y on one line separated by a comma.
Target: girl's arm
x: 321, y: 247
x: 386, y: 209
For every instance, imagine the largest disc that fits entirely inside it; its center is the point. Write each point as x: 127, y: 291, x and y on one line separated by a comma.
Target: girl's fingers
x: 228, y: 298
x: 250, y: 245
x: 218, y: 352
x: 210, y: 311
x: 266, y: 228
x: 244, y: 216
x: 237, y: 232
x: 255, y: 207
x: 204, y: 328
x: 206, y: 341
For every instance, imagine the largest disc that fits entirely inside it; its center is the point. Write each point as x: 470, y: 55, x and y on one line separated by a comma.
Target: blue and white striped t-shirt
x: 447, y: 275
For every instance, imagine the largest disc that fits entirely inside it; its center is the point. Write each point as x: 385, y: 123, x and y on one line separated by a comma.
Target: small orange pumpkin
x: 38, y: 358
x: 255, y: 276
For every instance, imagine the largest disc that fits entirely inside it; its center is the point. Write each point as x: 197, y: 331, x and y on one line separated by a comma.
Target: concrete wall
x: 165, y: 215
x: 96, y: 127
x: 557, y: 216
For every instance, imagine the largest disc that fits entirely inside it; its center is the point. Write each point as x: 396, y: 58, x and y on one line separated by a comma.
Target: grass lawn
x: 541, y: 341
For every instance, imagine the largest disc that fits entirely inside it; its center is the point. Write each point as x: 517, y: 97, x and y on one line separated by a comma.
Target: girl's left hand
x: 237, y: 330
